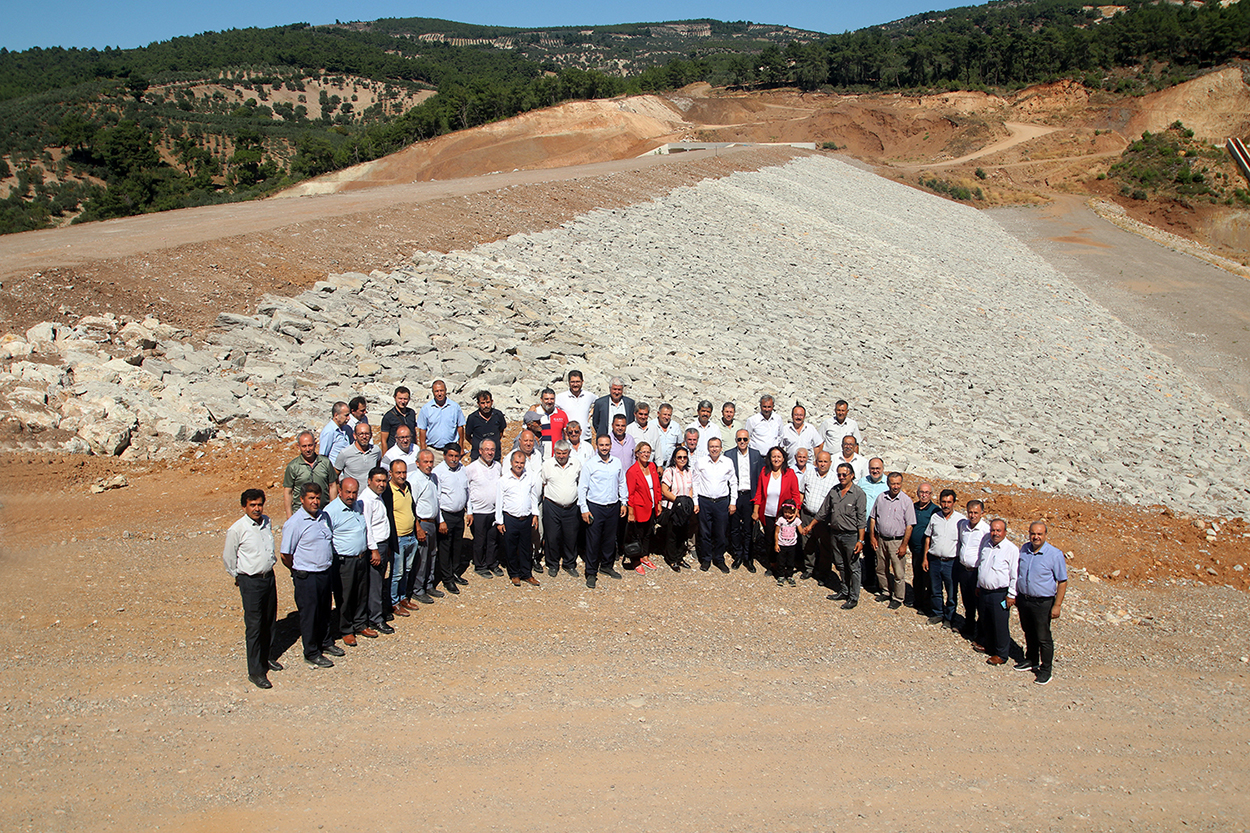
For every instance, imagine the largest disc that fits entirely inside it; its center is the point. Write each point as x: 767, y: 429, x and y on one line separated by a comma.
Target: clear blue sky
x: 129, y: 23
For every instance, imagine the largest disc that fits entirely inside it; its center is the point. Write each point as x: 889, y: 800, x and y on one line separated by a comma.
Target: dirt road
x: 1194, y: 313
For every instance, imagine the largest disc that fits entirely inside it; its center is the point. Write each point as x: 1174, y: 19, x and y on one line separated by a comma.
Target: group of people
x: 383, y: 528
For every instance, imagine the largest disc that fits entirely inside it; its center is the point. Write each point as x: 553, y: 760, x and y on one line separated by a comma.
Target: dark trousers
x: 786, y: 559
x: 259, y: 595
x: 638, y: 532
x: 312, y: 600
x: 966, y: 579
x: 713, y: 529
x: 995, y: 619
x: 421, y: 577
x: 601, y: 536
x: 560, y: 526
x: 741, y: 529
x: 453, y: 551
x: 379, y: 594
x: 353, y: 605
x: 921, y: 585
x: 485, y: 541
x: 518, y: 546
x: 1039, y: 645
x: 817, y: 549
x: 676, y: 539
x: 846, y: 562
x: 942, y: 585
x: 768, y: 534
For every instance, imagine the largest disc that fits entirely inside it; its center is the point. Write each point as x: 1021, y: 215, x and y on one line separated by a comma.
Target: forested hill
x: 91, y: 134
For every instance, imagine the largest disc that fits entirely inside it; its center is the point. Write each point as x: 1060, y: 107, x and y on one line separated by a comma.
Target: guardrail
x: 1237, y: 150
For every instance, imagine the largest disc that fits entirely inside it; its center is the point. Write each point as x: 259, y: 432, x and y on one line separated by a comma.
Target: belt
x: 428, y: 520
x: 1023, y: 597
x: 518, y: 517
x: 709, y: 497
x: 561, y: 505
x: 890, y: 537
x: 940, y: 558
x: 993, y: 589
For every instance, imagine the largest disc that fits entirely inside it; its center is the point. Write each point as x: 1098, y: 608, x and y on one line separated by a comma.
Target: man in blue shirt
x: 1040, y: 586
x: 347, y: 524
x: 602, y: 496
x: 335, y: 436
x: 873, y: 485
x: 440, y: 422
x: 308, y: 552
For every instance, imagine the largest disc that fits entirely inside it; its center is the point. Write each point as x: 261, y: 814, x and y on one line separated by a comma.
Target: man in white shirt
x: 453, y: 499
x: 248, y: 556
x: 483, y: 476
x: 402, y: 449
x: 643, y: 429
x: 703, y: 428
x: 797, y: 434
x: 765, y: 427
x: 839, y: 426
x: 998, y: 565
x: 583, y: 451
x: 561, y: 518
x: 423, y: 586
x: 714, y: 485
x: 815, y: 486
x: 516, y: 506
x: 941, y: 553
x: 971, y: 531
x: 577, y: 402
x: 379, y: 533
x: 801, y: 458
x: 851, y: 456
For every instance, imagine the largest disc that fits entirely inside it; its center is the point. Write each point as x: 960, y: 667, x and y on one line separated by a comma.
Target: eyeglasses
x: 683, y: 457
x: 742, y: 440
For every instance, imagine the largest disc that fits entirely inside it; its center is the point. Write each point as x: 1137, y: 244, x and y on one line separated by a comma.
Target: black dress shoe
x: 736, y: 563
x: 383, y: 628
x: 485, y: 573
x: 591, y: 581
x: 260, y: 681
x: 553, y: 571
x: 318, y: 662
x: 750, y: 566
x: 452, y: 587
x: 609, y: 571
x: 274, y: 665
x: 497, y: 570
x: 423, y: 599
x: 570, y: 571
x: 840, y: 596
x: 805, y: 575
x: 334, y: 651
x: 849, y: 605
x: 895, y: 605
x: 462, y: 580
x: 723, y: 567
x: 436, y: 593
x: 705, y: 565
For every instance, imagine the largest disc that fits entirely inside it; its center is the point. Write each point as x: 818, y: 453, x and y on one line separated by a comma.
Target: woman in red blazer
x: 778, y: 483
x: 642, y: 479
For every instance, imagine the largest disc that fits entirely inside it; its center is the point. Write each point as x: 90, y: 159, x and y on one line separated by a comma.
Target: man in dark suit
x: 747, y: 463
x: 605, y: 407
